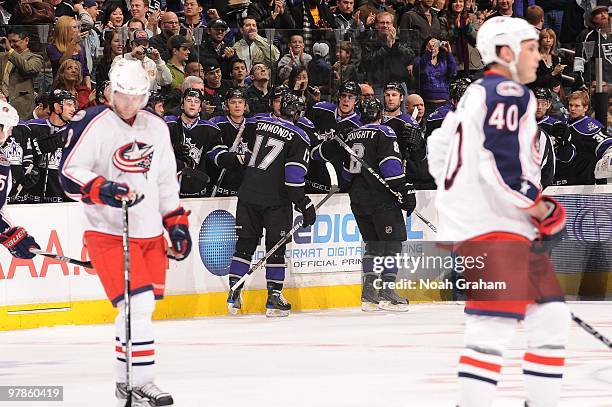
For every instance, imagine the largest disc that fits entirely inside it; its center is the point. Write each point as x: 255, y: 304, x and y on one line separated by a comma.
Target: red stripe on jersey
x: 479, y: 363
x: 544, y: 360
x: 137, y: 353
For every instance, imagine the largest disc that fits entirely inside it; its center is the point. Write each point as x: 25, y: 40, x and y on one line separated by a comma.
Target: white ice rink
x: 335, y: 358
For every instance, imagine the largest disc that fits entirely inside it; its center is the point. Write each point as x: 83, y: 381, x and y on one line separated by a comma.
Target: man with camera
x: 157, y: 71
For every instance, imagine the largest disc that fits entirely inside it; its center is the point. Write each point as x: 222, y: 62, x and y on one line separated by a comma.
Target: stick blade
x: 333, y: 176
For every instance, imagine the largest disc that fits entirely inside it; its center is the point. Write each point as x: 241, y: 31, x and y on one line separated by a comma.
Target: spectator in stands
x: 194, y: 68
x: 257, y: 93
x: 271, y: 14
x: 385, y: 58
x: 253, y: 48
x: 295, y: 57
x: 18, y: 68
x: 138, y: 10
x: 169, y: 24
x: 216, y: 47
x: 113, y: 46
x: 553, y: 14
x: 415, y: 101
x: 503, y: 8
x: 436, y: 68
x: 371, y: 9
x: 420, y: 23
x: 112, y: 18
x: 367, y: 91
x: 319, y: 70
x: 66, y: 45
x: 462, y: 33
x: 69, y: 78
x: 41, y: 107
x: 157, y: 71
x: 62, y: 8
x: 239, y: 74
x: 298, y: 84
x: 315, y: 20
x: 90, y: 35
x: 192, y: 17
x: 133, y: 25
x: 349, y: 23
x: 535, y: 16
x: 583, y: 64
x: 179, y: 49
x: 214, y: 89
x: 344, y: 69
x: 550, y: 66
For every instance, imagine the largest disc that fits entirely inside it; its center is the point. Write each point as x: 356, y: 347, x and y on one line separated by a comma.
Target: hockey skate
x: 234, y: 300
x: 389, y: 299
x: 369, y: 294
x: 148, y: 395
x: 277, y: 306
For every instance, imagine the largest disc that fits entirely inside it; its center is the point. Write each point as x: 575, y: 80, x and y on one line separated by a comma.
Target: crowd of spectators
x: 312, y: 46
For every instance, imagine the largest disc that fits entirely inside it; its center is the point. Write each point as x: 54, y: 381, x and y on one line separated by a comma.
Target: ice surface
x: 334, y: 358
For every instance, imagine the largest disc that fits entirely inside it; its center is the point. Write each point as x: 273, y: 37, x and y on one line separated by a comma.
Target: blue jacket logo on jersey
x: 134, y: 157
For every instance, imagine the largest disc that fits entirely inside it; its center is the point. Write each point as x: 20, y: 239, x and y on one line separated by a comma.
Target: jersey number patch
x: 276, y: 148
x: 355, y: 165
x: 504, y: 118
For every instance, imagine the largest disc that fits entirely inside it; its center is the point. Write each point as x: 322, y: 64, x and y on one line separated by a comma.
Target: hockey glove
x: 47, y: 144
x: 307, y: 209
x: 560, y: 133
x: 18, y: 242
x: 100, y: 191
x: 408, y: 202
x: 21, y: 178
x: 551, y: 228
x: 177, y: 225
x: 413, y: 138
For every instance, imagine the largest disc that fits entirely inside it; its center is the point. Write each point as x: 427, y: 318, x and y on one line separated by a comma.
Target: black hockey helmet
x: 100, y: 91
x: 155, y: 98
x: 542, y: 93
x: 234, y: 93
x: 292, y: 106
x: 350, y: 87
x: 395, y: 86
x: 59, y: 96
x: 192, y: 92
x: 458, y: 87
x: 370, y: 110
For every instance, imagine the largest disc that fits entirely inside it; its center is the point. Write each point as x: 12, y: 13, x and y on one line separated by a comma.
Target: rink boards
x: 324, y: 261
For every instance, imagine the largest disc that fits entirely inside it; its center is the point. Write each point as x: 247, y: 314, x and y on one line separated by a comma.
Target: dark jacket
x: 263, y: 15
x: 383, y: 64
x: 415, y: 28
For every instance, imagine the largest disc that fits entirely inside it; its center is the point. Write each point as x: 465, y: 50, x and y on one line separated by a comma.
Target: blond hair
x: 60, y: 81
x: 62, y: 34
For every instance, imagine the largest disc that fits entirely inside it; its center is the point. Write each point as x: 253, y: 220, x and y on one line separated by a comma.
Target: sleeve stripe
x: 388, y: 158
x: 296, y: 164
x: 395, y: 177
x: 290, y: 184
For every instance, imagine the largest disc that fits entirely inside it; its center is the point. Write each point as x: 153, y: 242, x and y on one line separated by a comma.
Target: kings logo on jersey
x: 134, y: 157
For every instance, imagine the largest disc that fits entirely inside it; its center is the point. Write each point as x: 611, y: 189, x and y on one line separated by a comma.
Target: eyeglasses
x: 170, y: 22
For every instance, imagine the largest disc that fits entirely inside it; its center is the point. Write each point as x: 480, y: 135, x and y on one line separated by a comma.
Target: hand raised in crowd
x: 78, y: 8
x: 189, y: 35
x: 356, y: 17
x: 153, y: 20
x: 409, y: 68
x: 489, y: 13
x: 154, y: 55
x: 229, y: 52
x: 138, y: 52
x: 558, y: 69
x: 212, y: 14
x: 446, y: 45
x: 315, y: 93
x: 391, y: 36
x: 370, y: 19
x: 208, y: 107
x: 4, y: 42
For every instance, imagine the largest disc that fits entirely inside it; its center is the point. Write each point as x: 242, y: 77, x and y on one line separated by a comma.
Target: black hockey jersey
x: 586, y: 135
x: 378, y: 146
x: 17, y: 149
x: 275, y: 174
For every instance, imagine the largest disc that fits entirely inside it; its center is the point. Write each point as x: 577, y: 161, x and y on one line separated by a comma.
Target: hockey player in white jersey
x: 15, y: 238
x: 124, y: 152
x: 486, y: 164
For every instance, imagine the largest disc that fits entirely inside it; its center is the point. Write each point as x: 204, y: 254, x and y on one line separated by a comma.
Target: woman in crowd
x: 550, y: 67
x: 113, y: 18
x: 436, y: 68
x: 112, y: 48
x: 69, y: 78
x: 298, y: 84
x: 65, y: 45
x: 462, y: 31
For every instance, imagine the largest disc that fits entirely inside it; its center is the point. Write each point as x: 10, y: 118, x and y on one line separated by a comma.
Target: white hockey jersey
x: 100, y: 143
x: 485, y: 159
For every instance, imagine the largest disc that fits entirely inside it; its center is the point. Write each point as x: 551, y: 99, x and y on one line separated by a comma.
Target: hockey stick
x: 382, y: 181
x: 20, y: 186
x: 126, y: 298
x: 333, y: 189
x: 232, y: 149
x: 592, y: 331
x: 86, y: 264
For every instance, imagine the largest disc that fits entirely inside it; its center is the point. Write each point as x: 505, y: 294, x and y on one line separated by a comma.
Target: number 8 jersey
x: 486, y: 162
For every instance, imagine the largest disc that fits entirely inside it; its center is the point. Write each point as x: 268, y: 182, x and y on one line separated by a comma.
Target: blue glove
x: 177, y: 225
x: 103, y: 192
x: 18, y: 242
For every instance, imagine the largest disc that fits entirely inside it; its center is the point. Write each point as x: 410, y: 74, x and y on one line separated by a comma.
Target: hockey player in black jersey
x: 331, y: 120
x: 233, y: 125
x: 590, y: 139
x: 555, y: 140
x: 276, y: 95
x: 377, y: 212
x: 192, y: 138
x: 457, y: 89
x: 17, y: 149
x: 273, y: 179
x: 48, y: 137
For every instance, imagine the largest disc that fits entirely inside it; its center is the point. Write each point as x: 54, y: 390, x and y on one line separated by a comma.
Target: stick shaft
x: 86, y: 264
x: 232, y: 149
x: 592, y: 331
x: 127, y: 301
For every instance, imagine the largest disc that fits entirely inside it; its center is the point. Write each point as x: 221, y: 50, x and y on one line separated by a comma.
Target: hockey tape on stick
x: 382, y: 181
x: 86, y: 264
x: 233, y: 148
x: 592, y: 331
x: 27, y: 172
x: 333, y: 177
x: 415, y: 113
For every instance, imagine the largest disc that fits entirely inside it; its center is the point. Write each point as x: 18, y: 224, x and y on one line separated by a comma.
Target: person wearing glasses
x: 169, y: 25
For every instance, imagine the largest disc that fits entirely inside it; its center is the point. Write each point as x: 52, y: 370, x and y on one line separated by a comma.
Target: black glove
x: 561, y: 133
x: 307, y: 209
x: 21, y: 178
x: 413, y: 138
x: 18, y: 242
x: 408, y: 200
x: 47, y: 144
x: 182, y: 154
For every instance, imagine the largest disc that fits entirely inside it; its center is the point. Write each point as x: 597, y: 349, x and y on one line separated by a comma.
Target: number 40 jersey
x: 485, y: 160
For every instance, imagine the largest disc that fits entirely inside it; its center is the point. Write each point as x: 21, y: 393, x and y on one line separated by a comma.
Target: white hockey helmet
x: 129, y: 77
x: 508, y: 31
x: 8, y: 119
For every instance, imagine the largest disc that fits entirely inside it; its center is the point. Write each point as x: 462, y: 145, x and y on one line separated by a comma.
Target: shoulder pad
x: 171, y: 119
x: 202, y: 122
x: 259, y: 116
x: 88, y: 113
x: 251, y: 120
x: 330, y: 107
x: 219, y: 119
x: 36, y: 122
x: 354, y: 118
x: 587, y: 125
x: 306, y: 122
x: 387, y: 131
